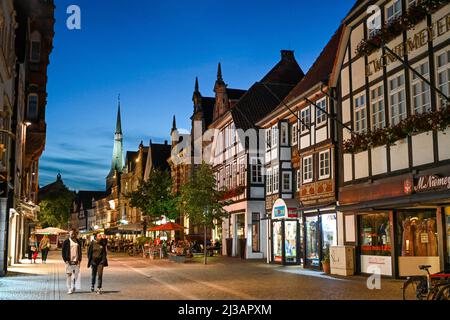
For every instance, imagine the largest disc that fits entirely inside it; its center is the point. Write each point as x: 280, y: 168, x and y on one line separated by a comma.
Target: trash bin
x: 242, y: 247
x: 229, y: 246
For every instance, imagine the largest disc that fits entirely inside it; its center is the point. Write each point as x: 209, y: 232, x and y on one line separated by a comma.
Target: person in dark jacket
x: 72, y: 256
x: 97, y: 260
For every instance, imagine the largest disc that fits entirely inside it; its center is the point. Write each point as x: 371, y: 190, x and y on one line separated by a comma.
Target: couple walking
x: 72, y: 256
x: 34, y: 248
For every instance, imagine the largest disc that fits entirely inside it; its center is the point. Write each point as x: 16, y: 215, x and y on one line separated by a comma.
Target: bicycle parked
x: 428, y: 287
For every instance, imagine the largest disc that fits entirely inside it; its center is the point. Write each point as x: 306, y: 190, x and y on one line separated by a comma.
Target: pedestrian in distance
x: 32, y: 248
x: 72, y: 256
x: 97, y: 260
x: 44, y: 248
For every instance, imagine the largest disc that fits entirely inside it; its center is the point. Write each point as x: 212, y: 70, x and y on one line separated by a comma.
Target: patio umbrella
x: 52, y: 231
x: 169, y: 226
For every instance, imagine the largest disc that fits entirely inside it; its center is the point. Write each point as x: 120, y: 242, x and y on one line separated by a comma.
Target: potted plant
x: 326, y: 260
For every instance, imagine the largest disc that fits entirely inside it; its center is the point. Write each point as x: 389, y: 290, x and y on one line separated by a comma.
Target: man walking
x: 71, y: 254
x: 97, y: 260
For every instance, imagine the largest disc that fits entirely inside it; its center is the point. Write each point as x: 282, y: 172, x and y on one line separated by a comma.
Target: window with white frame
x: 397, y: 99
x: 321, y: 110
x: 242, y: 171
x: 234, y: 175
x: 412, y: 3
x: 360, y: 114
x: 305, y: 115
x: 227, y: 177
x: 299, y: 179
x: 443, y: 76
x: 256, y: 170
x: 287, y: 181
x: 377, y: 103
x: 32, y: 111
x: 276, y: 179
x: 274, y: 136
x: 374, y: 23
x: 308, y: 169
x: 269, y: 181
x: 284, y: 133
x: 393, y: 11
x: 268, y: 139
x: 324, y: 164
x: 294, y: 133
x: 420, y: 89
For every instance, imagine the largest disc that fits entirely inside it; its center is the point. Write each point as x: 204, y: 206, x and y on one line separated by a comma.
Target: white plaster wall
x: 444, y: 145
x: 358, y: 74
x: 355, y: 38
x: 305, y: 142
x: 422, y: 146
x: 437, y: 16
x: 347, y: 167
x: 399, y: 155
x: 321, y: 134
x: 361, y: 165
x: 379, y: 160
x: 345, y: 86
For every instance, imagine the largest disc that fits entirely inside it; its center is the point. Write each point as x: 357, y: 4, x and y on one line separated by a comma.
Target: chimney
x: 165, y: 142
x: 287, y: 55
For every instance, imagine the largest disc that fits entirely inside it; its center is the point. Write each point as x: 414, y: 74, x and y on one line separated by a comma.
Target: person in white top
x: 72, y: 256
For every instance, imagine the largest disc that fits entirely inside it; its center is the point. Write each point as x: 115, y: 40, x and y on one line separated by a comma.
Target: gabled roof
x: 85, y: 198
x: 235, y: 94
x: 264, y: 96
x: 159, y: 154
x: 322, y: 68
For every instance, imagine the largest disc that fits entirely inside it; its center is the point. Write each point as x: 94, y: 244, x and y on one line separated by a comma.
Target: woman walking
x: 44, y: 247
x: 32, y: 248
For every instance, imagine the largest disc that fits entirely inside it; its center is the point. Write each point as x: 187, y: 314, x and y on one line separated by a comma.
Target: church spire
x: 119, y: 121
x: 174, y: 123
x: 196, y: 85
x: 219, y: 72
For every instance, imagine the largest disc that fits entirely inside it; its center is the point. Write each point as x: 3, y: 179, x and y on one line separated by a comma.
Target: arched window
x: 35, y: 47
x: 32, y: 107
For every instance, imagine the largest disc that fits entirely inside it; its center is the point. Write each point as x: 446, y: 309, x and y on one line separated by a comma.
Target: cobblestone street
x: 223, y: 278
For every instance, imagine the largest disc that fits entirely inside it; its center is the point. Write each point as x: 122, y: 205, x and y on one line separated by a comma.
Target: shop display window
x: 312, y: 248
x: 447, y: 225
x: 375, y: 234
x: 329, y: 230
x: 417, y: 231
x: 291, y: 241
x: 277, y: 241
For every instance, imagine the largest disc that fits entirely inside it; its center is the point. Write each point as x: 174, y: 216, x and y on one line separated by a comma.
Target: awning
x: 169, y: 226
x: 417, y: 199
x: 52, y: 231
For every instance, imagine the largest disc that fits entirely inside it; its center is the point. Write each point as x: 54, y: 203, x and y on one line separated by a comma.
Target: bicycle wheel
x: 412, y: 288
x: 444, y: 293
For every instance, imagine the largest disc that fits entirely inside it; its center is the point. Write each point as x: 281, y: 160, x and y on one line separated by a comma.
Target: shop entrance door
x: 286, y: 242
x: 312, y: 255
x: 240, y: 233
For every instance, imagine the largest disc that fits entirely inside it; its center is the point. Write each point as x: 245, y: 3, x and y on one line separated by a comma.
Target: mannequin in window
x: 420, y: 247
x: 408, y: 238
x: 432, y: 248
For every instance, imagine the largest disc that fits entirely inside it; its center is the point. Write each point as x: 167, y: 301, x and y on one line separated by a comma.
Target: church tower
x: 117, y: 156
x: 220, y: 89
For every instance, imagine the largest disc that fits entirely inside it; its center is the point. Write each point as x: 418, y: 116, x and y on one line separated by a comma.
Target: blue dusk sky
x: 150, y: 51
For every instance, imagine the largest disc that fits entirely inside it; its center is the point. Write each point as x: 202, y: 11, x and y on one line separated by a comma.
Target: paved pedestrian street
x: 223, y: 278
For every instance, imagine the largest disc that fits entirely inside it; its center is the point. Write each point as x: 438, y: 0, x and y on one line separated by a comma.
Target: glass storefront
x: 447, y: 225
x: 277, y: 239
x: 312, y: 241
x: 290, y: 246
x: 375, y: 234
x: 329, y: 230
x: 417, y: 232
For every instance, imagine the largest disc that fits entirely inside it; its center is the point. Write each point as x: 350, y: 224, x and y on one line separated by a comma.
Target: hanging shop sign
x: 285, y: 208
x: 426, y: 184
